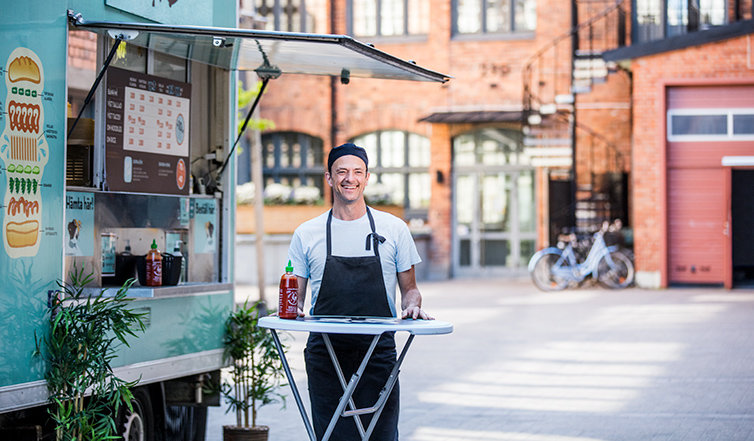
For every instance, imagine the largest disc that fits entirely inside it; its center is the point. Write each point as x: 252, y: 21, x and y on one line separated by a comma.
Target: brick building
x: 485, y: 160
x: 693, y: 150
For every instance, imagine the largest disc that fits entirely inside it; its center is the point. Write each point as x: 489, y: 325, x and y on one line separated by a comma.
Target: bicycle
x: 555, y: 268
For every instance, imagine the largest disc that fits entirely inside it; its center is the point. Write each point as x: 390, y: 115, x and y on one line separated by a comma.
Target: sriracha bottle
x: 288, y: 303
x: 154, y: 266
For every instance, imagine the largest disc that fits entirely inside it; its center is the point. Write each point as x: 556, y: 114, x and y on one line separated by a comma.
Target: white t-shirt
x: 308, y: 249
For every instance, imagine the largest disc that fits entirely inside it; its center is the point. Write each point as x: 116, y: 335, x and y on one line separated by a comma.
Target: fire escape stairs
x: 549, y: 124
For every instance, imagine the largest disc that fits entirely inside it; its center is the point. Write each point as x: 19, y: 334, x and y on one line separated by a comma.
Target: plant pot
x: 237, y: 433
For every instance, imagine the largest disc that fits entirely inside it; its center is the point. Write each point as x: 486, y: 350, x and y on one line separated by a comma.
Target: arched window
x: 293, y: 159
x: 400, y: 160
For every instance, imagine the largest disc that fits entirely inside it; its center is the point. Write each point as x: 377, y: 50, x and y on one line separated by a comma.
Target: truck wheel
x: 138, y: 424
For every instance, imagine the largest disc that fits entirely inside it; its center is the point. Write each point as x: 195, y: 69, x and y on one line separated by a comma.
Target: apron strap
x: 329, y: 235
x: 376, y: 238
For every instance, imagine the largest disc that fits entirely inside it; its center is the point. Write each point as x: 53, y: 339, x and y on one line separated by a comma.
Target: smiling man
x: 354, y: 257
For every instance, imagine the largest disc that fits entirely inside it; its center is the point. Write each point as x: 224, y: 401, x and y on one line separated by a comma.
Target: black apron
x: 352, y: 286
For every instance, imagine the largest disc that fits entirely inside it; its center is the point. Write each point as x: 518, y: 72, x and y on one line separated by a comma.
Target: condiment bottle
x: 154, y: 266
x: 288, y: 303
x: 177, y: 253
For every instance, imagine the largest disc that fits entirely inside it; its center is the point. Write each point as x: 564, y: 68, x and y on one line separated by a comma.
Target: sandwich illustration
x: 24, y: 152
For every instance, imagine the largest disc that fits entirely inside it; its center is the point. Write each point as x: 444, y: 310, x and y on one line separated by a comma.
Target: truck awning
x: 283, y: 52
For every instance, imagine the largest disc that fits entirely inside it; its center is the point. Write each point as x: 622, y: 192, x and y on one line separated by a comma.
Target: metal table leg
x: 351, y: 384
x: 294, y: 389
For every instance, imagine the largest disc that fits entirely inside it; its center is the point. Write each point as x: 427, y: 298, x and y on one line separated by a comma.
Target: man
x: 354, y: 256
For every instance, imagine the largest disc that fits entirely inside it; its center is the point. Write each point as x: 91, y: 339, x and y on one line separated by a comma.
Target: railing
x: 549, y: 72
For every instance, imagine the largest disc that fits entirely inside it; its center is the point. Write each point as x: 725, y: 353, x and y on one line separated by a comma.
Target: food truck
x: 97, y: 188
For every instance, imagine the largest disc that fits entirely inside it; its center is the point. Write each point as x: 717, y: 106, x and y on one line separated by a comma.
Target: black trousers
x: 325, y: 389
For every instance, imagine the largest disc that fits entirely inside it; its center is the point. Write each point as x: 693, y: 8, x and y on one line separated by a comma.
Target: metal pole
x: 294, y: 389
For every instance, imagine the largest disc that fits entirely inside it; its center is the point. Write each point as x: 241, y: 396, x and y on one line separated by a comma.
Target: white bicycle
x: 554, y: 268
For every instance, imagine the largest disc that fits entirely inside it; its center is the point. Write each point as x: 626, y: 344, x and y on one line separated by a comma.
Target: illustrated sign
x: 147, y: 133
x: 24, y: 152
x: 79, y: 218
x: 205, y: 225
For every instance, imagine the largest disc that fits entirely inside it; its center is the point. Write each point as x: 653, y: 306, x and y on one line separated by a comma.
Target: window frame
x: 693, y: 20
x: 405, y: 35
x: 483, y: 33
x: 376, y: 170
x: 278, y: 11
x: 303, y: 173
x: 729, y: 136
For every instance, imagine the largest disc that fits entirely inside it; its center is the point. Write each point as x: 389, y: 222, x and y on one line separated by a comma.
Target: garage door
x: 696, y: 211
x: 701, y: 124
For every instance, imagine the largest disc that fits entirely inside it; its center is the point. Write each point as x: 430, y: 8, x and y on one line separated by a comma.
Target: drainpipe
x: 333, y: 89
x: 574, y: 48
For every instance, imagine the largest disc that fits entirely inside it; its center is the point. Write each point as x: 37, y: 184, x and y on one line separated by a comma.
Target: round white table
x: 332, y: 325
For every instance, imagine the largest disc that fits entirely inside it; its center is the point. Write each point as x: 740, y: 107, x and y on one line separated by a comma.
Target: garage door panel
x: 696, y: 221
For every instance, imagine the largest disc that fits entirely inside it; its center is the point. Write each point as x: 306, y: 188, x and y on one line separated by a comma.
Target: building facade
x: 693, y: 148
x: 462, y: 158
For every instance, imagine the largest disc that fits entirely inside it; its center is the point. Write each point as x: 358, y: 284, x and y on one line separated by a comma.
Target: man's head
x: 347, y: 149
x: 347, y: 173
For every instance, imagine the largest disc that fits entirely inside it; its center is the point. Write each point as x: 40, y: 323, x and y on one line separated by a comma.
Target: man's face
x: 348, y: 177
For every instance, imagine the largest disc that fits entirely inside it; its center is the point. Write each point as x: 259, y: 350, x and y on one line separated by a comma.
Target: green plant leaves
x: 84, y: 333
x: 256, y: 370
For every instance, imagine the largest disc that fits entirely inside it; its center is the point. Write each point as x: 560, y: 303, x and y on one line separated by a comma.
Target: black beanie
x: 347, y: 149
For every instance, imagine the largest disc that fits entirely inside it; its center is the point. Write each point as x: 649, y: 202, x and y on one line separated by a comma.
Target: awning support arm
x: 109, y: 58
x: 265, y: 80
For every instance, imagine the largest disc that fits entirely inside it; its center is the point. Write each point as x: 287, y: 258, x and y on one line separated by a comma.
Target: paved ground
x: 579, y: 365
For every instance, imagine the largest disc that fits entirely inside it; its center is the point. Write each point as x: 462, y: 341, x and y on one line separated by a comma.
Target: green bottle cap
x: 289, y: 268
x: 154, y: 244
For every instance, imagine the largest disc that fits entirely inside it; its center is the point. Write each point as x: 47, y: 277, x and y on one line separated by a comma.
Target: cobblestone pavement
x: 580, y: 365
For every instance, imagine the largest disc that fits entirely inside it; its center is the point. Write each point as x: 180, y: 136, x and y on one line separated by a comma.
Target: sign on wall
x: 147, y: 133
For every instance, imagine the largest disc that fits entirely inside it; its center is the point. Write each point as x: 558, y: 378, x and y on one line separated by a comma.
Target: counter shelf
x: 181, y: 290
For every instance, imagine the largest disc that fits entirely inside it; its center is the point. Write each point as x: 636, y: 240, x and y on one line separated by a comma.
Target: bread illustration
x: 23, y: 234
x: 24, y: 152
x: 24, y: 69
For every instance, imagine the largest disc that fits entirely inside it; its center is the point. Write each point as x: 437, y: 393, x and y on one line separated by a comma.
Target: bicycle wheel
x: 615, y: 270
x: 543, y: 275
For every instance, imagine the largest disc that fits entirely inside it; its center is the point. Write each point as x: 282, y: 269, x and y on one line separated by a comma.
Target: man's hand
x: 411, y: 298
x: 416, y: 312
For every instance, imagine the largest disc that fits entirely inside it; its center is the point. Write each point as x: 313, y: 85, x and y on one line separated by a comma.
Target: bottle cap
x: 289, y: 268
x: 154, y: 244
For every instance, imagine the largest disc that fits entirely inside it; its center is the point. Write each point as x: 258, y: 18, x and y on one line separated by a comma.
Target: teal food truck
x: 95, y: 188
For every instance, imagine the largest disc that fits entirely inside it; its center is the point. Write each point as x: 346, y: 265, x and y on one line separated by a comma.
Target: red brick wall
x: 716, y: 63
x: 486, y: 74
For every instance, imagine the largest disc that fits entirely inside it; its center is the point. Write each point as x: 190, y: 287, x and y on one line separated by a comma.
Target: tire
x: 543, y: 276
x: 138, y: 424
x: 619, y: 274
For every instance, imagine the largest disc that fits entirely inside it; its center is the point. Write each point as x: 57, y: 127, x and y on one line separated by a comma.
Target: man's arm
x: 302, y: 282
x: 411, y: 298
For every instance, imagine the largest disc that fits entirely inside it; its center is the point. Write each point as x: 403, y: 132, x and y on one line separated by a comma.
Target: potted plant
x: 255, y: 372
x: 80, y: 345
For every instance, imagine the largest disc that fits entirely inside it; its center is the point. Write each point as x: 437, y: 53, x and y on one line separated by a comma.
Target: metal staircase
x: 553, y: 78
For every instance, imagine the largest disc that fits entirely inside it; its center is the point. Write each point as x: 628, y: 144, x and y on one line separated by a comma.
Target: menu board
x: 146, y: 133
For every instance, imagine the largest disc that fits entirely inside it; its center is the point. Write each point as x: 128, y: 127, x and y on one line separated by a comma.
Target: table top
x: 329, y: 325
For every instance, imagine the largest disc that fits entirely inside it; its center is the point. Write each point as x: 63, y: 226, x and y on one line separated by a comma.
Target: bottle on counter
x: 177, y: 253
x: 154, y: 266
x: 288, y: 303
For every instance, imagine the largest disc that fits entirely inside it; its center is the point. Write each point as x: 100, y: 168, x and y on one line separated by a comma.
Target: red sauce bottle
x: 154, y: 266
x: 288, y: 303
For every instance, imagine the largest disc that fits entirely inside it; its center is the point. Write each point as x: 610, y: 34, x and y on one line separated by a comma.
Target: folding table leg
x: 294, y: 389
x: 379, y: 406
x: 342, y: 379
x: 351, y: 386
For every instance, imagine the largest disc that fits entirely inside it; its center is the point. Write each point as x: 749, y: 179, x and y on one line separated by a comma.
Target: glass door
x: 494, y: 209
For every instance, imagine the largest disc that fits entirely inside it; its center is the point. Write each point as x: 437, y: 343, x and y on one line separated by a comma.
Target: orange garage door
x: 696, y: 223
